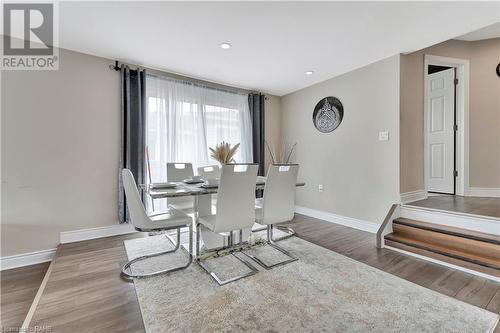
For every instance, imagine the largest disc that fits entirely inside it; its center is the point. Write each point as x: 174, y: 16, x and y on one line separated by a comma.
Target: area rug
x: 321, y: 292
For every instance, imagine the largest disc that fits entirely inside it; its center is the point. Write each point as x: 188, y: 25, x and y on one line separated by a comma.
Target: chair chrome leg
x: 271, y: 243
x: 288, y: 230
x: 221, y: 282
x: 232, y: 250
x: 177, y: 243
x: 259, y: 229
x: 129, y: 276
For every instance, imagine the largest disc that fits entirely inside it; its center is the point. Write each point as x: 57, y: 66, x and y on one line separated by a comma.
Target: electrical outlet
x: 383, y: 136
x: 320, y: 188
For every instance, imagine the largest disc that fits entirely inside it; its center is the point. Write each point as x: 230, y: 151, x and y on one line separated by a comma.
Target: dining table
x: 201, y: 193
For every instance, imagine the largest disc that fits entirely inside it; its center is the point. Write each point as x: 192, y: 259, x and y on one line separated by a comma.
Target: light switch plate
x: 383, y: 136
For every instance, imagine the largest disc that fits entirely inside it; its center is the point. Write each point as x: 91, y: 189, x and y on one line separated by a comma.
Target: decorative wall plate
x: 328, y: 114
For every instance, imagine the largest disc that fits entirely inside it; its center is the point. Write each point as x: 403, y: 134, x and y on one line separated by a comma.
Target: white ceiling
x: 491, y: 31
x: 274, y: 43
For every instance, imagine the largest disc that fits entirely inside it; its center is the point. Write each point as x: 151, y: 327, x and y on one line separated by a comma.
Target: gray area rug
x: 321, y: 292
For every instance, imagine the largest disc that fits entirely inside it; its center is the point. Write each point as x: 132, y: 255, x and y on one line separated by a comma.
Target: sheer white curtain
x: 185, y: 119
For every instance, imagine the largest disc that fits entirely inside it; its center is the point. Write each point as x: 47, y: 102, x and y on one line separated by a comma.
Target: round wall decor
x: 328, y: 114
x: 498, y: 69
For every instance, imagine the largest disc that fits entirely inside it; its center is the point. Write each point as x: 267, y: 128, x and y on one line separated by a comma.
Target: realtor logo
x: 29, y: 36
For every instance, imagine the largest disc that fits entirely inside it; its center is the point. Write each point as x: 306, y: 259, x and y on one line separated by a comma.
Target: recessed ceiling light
x: 225, y: 46
x: 309, y: 72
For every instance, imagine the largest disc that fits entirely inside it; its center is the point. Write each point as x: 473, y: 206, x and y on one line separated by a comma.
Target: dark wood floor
x: 18, y: 289
x: 86, y: 294
x: 469, y: 205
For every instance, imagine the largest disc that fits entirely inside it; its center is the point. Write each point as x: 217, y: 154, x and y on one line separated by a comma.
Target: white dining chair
x: 169, y: 220
x: 177, y: 172
x: 277, y: 205
x: 235, y: 211
x: 209, y: 172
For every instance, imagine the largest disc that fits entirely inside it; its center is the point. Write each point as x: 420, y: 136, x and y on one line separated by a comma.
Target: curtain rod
x: 199, y: 84
x: 115, y: 67
x: 195, y: 82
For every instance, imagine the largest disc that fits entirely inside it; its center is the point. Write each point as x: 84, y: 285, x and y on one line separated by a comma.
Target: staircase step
x: 451, y: 242
x: 443, y: 258
x: 482, y: 224
x: 445, y: 247
x: 465, y: 233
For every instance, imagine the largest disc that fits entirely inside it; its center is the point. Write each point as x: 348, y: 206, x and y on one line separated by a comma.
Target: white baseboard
x: 443, y: 263
x: 339, y: 219
x: 413, y: 196
x: 37, y: 257
x: 93, y: 233
x: 489, y: 192
x: 26, y: 259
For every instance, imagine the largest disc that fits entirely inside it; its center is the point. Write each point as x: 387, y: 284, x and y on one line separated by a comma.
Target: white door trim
x: 462, y: 118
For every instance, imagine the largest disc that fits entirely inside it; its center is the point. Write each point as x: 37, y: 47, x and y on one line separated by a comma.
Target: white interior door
x: 440, y: 148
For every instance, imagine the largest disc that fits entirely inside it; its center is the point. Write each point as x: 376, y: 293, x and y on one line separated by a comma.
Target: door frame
x: 461, y: 119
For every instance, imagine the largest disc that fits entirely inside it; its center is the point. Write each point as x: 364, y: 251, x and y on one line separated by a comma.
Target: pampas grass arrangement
x: 224, y: 153
x: 283, y: 156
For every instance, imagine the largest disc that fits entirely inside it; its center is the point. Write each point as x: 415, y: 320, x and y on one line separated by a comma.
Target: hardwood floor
x: 18, y: 289
x: 468, y: 205
x: 85, y: 293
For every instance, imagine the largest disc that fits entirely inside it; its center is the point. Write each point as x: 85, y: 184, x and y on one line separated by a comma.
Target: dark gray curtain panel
x: 133, y: 130
x: 256, y: 102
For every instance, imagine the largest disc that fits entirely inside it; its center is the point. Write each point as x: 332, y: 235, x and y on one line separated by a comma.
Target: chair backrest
x: 177, y: 172
x: 236, y: 197
x: 279, y: 194
x: 138, y: 215
x: 209, y: 172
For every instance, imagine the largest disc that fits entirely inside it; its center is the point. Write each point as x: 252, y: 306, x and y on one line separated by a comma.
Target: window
x: 185, y: 119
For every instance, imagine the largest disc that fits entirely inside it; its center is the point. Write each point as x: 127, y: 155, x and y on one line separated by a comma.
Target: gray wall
x: 60, y: 140
x: 360, y: 174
